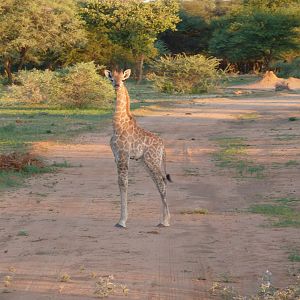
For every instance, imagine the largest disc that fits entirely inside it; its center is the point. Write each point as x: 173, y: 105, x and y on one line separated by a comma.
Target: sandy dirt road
x: 69, y: 216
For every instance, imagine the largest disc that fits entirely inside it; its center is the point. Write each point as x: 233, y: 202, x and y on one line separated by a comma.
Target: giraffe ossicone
x: 130, y: 141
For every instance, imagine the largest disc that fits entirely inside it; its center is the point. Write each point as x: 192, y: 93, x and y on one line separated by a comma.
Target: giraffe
x: 130, y: 141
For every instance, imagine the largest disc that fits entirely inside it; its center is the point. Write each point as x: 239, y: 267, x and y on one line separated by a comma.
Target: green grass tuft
x: 232, y: 154
x: 287, y: 200
x: 286, y: 216
x: 292, y: 119
x: 271, y: 210
x: 22, y: 233
x: 294, y: 256
x: 196, y: 211
x: 291, y: 163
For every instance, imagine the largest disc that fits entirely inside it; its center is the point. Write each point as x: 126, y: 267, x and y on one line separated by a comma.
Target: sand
x: 69, y: 216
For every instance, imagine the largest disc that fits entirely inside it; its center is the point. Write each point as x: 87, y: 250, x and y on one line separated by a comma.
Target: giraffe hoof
x: 163, y: 225
x: 120, y: 226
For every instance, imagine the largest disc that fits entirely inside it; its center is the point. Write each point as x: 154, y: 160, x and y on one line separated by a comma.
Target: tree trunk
x: 139, y: 68
x: 7, y: 68
x: 22, y: 57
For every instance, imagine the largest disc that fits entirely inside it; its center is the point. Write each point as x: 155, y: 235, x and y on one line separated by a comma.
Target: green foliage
x: 133, y: 25
x: 82, y: 87
x: 191, y: 37
x: 193, y: 32
x: 288, y: 69
x: 185, y: 74
x: 204, y: 9
x: 271, y: 5
x: 31, y: 28
x: 33, y: 86
x: 78, y: 86
x: 254, y: 35
x: 100, y: 49
x: 114, y: 17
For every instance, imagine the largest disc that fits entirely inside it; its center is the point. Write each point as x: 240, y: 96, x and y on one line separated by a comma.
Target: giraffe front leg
x: 123, y: 185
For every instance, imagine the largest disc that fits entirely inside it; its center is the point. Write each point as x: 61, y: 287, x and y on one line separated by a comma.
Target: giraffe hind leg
x: 159, y: 180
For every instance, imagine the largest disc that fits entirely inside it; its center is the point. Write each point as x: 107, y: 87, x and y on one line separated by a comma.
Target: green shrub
x: 185, y: 74
x: 78, y: 86
x: 83, y: 87
x: 286, y: 69
x: 33, y: 86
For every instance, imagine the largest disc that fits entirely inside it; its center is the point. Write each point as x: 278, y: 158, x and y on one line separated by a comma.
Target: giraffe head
x: 117, y: 77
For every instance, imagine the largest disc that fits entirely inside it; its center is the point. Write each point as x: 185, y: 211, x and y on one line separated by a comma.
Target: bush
x: 79, y: 86
x: 33, y: 86
x: 286, y: 69
x: 185, y: 74
x: 84, y: 87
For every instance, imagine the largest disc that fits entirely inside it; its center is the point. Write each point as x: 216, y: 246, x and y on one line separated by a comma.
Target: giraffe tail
x: 168, y: 176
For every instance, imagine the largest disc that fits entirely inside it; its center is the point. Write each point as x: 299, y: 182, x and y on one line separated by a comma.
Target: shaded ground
x: 62, y: 224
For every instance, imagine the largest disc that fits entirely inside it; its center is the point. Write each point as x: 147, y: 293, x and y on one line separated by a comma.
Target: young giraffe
x: 129, y: 141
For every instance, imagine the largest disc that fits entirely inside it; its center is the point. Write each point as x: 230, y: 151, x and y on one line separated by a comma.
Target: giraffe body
x: 130, y: 141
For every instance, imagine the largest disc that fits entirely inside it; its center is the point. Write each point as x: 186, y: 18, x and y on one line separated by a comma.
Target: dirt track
x: 70, y: 216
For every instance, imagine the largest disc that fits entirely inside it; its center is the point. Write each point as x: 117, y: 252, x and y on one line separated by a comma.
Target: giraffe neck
x: 122, y: 109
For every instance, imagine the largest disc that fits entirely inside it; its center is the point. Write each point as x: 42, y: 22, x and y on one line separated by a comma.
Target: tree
x: 271, y: 5
x: 204, y: 9
x: 252, y: 37
x: 191, y: 36
x: 194, y: 31
x: 31, y: 28
x: 99, y: 49
x: 132, y: 24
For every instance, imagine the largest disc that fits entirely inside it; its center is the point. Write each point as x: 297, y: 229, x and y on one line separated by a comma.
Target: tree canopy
x: 30, y: 28
x: 133, y: 24
x: 254, y: 36
x: 54, y: 33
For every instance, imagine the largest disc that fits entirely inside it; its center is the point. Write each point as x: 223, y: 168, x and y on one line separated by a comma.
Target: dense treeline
x: 50, y: 34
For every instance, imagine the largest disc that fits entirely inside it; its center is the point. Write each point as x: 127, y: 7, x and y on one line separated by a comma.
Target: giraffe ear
x: 127, y: 74
x: 107, y: 73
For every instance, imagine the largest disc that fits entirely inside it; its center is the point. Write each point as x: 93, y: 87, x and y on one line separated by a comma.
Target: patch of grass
x: 226, y: 278
x: 286, y: 137
x: 196, y: 211
x: 294, y: 256
x: 248, y: 116
x: 265, y: 292
x: 106, y: 287
x: 232, y: 154
x: 22, y: 233
x: 271, y: 210
x: 287, y: 200
x: 291, y: 163
x: 12, y: 178
x: 291, y: 119
x: 145, y: 91
x: 23, y: 125
x: 192, y: 171
x: 286, y: 216
x: 63, y: 164
x: 65, y: 277
x: 241, y: 79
